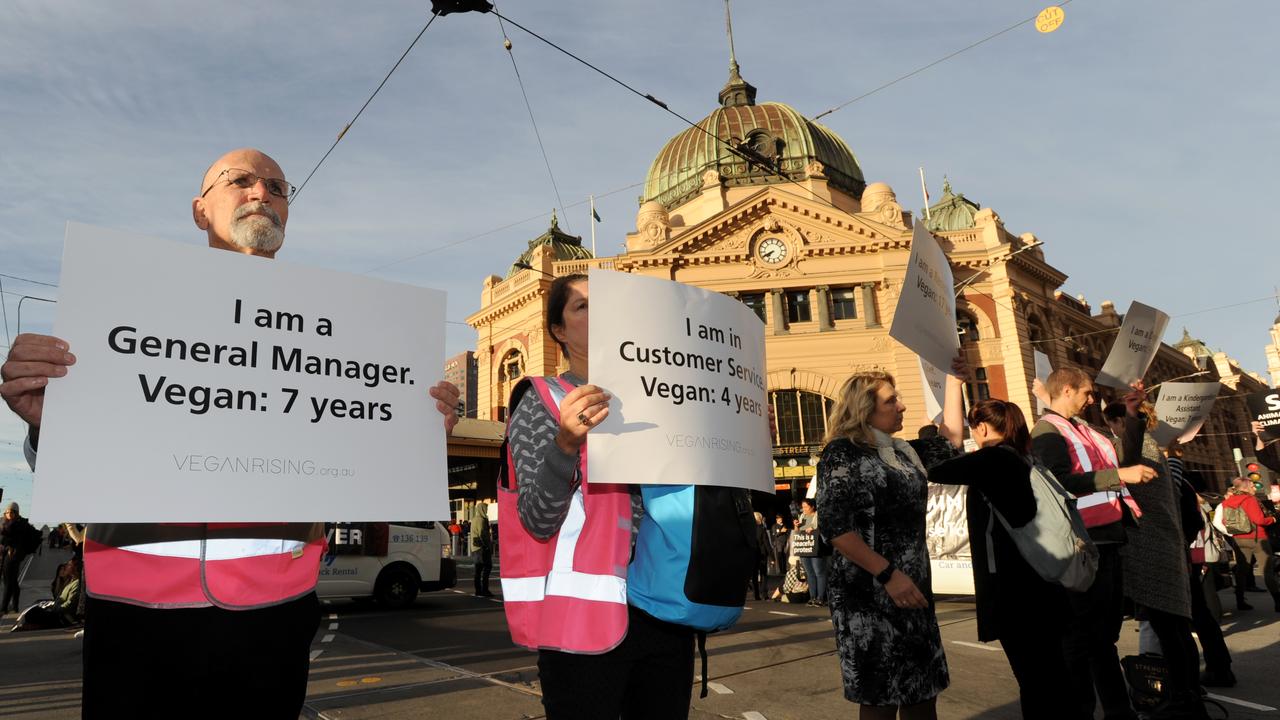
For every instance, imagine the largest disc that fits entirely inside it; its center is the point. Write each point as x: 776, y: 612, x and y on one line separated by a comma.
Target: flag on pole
x: 595, y: 215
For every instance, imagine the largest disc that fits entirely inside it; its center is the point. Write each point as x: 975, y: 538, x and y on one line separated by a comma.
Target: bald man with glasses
x: 196, y: 620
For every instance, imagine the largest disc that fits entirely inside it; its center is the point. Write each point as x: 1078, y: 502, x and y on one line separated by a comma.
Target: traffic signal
x: 1253, y: 471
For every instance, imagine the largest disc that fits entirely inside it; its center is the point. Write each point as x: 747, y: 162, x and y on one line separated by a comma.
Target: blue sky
x: 1138, y: 141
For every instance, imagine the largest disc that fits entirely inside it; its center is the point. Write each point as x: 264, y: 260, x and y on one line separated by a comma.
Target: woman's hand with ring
x: 582, y: 409
x: 904, y: 592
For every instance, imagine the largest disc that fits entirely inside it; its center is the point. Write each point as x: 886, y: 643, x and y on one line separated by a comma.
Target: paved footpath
x: 449, y: 656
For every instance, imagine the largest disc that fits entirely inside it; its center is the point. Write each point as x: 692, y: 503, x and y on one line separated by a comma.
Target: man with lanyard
x: 1089, y: 466
x: 214, y: 620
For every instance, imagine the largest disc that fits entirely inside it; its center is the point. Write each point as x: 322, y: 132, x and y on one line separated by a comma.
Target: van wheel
x: 397, y: 587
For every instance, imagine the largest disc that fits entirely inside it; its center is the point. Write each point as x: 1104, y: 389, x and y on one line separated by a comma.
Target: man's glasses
x: 244, y: 180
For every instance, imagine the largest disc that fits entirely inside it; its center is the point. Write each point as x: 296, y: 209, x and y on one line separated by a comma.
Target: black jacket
x: 1014, y: 595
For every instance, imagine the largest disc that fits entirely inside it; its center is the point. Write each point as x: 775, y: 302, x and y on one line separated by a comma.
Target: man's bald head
x: 246, y: 219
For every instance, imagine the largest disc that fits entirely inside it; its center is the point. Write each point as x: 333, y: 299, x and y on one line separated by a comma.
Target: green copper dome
x: 775, y: 131
x: 565, y: 246
x: 953, y: 212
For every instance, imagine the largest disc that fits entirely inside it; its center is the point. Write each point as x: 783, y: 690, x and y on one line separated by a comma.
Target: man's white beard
x: 256, y: 233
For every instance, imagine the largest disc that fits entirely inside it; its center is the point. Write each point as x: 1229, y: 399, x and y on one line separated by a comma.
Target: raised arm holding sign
x: 925, y: 318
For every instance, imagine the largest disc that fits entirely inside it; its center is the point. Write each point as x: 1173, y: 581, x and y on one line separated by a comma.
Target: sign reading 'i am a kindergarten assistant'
x: 686, y: 370
x: 211, y: 386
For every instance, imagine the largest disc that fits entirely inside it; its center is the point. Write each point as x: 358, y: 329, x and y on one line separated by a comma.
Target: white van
x: 389, y: 562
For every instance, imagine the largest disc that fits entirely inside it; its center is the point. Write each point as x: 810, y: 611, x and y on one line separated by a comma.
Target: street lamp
x: 960, y: 287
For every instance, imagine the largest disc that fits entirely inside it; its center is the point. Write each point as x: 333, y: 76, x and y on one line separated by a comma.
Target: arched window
x: 801, y: 415
x: 967, y: 326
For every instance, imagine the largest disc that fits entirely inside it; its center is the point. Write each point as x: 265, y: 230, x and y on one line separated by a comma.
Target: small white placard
x: 686, y: 370
x: 212, y: 386
x: 925, y: 318
x: 1182, y: 409
x: 1044, y: 368
x: 1135, y: 347
x: 935, y: 389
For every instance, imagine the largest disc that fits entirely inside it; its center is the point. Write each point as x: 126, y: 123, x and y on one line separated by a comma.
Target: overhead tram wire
x: 29, y: 280
x: 741, y: 153
x: 506, y: 43
x: 343, y: 132
x: 939, y: 61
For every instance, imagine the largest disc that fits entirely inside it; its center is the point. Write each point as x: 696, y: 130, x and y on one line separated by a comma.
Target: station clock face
x: 772, y: 250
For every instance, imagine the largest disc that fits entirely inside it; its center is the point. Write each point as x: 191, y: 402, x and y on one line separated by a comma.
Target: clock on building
x: 772, y: 250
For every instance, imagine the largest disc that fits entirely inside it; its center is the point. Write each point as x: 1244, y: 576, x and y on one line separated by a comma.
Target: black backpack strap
x: 702, y: 653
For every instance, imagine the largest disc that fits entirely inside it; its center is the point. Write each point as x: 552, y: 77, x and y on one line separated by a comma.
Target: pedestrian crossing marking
x: 719, y: 689
x: 1242, y: 703
x: 979, y: 646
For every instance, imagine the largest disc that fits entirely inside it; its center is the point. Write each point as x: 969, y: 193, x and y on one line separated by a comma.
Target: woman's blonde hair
x: 852, y: 412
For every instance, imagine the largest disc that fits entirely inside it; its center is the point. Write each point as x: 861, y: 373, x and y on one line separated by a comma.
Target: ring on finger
x: 582, y: 418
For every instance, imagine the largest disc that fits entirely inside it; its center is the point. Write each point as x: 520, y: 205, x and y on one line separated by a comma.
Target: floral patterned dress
x: 888, y: 655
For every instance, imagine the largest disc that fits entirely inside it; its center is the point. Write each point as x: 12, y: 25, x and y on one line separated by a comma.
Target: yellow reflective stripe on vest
x: 219, y: 548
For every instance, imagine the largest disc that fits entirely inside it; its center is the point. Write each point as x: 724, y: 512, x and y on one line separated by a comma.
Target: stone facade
x: 822, y: 268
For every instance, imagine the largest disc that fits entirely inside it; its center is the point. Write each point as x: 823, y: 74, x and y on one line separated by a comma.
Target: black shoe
x: 1218, y: 678
x: 1242, y: 605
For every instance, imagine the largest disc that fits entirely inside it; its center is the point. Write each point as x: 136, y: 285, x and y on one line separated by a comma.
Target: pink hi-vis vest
x: 237, y: 566
x: 1090, y: 452
x: 569, y: 592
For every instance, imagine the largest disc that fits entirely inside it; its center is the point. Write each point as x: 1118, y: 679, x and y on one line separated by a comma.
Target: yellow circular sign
x: 1050, y: 19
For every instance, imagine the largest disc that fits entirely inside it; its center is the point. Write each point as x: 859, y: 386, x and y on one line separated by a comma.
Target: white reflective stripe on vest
x: 218, y: 548
x: 1069, y: 433
x: 564, y: 580
x: 1101, y: 497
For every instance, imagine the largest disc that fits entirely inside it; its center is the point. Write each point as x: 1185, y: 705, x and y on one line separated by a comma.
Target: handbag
x: 1148, y: 680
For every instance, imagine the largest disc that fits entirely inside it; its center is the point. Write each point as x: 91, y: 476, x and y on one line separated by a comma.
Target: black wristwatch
x: 885, y: 574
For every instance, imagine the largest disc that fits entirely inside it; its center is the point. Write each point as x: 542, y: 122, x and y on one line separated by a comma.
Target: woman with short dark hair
x: 564, y: 560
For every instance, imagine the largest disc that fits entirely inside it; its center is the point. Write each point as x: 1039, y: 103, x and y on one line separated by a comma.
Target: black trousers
x: 1178, y: 648
x: 484, y: 568
x: 649, y: 676
x: 1034, y: 651
x: 1089, y: 643
x: 12, y: 590
x: 198, y: 662
x: 760, y: 579
x: 1216, y: 656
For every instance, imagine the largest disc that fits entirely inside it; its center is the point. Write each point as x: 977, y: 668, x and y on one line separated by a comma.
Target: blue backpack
x: 695, y: 552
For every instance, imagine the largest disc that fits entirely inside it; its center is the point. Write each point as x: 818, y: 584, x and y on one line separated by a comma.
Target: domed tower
x: 746, y: 143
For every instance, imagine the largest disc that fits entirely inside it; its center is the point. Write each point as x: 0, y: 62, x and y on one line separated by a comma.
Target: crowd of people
x: 239, y: 599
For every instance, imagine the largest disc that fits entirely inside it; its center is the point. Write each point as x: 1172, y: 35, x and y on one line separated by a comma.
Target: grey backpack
x: 1054, y: 542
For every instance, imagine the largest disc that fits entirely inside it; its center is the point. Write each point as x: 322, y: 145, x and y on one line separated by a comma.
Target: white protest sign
x: 1135, y: 347
x: 935, y: 389
x: 1044, y: 369
x: 1182, y: 409
x: 925, y: 318
x: 212, y: 386
x: 686, y: 370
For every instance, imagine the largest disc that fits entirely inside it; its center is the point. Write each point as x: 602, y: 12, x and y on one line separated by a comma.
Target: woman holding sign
x: 871, y: 504
x: 566, y: 544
